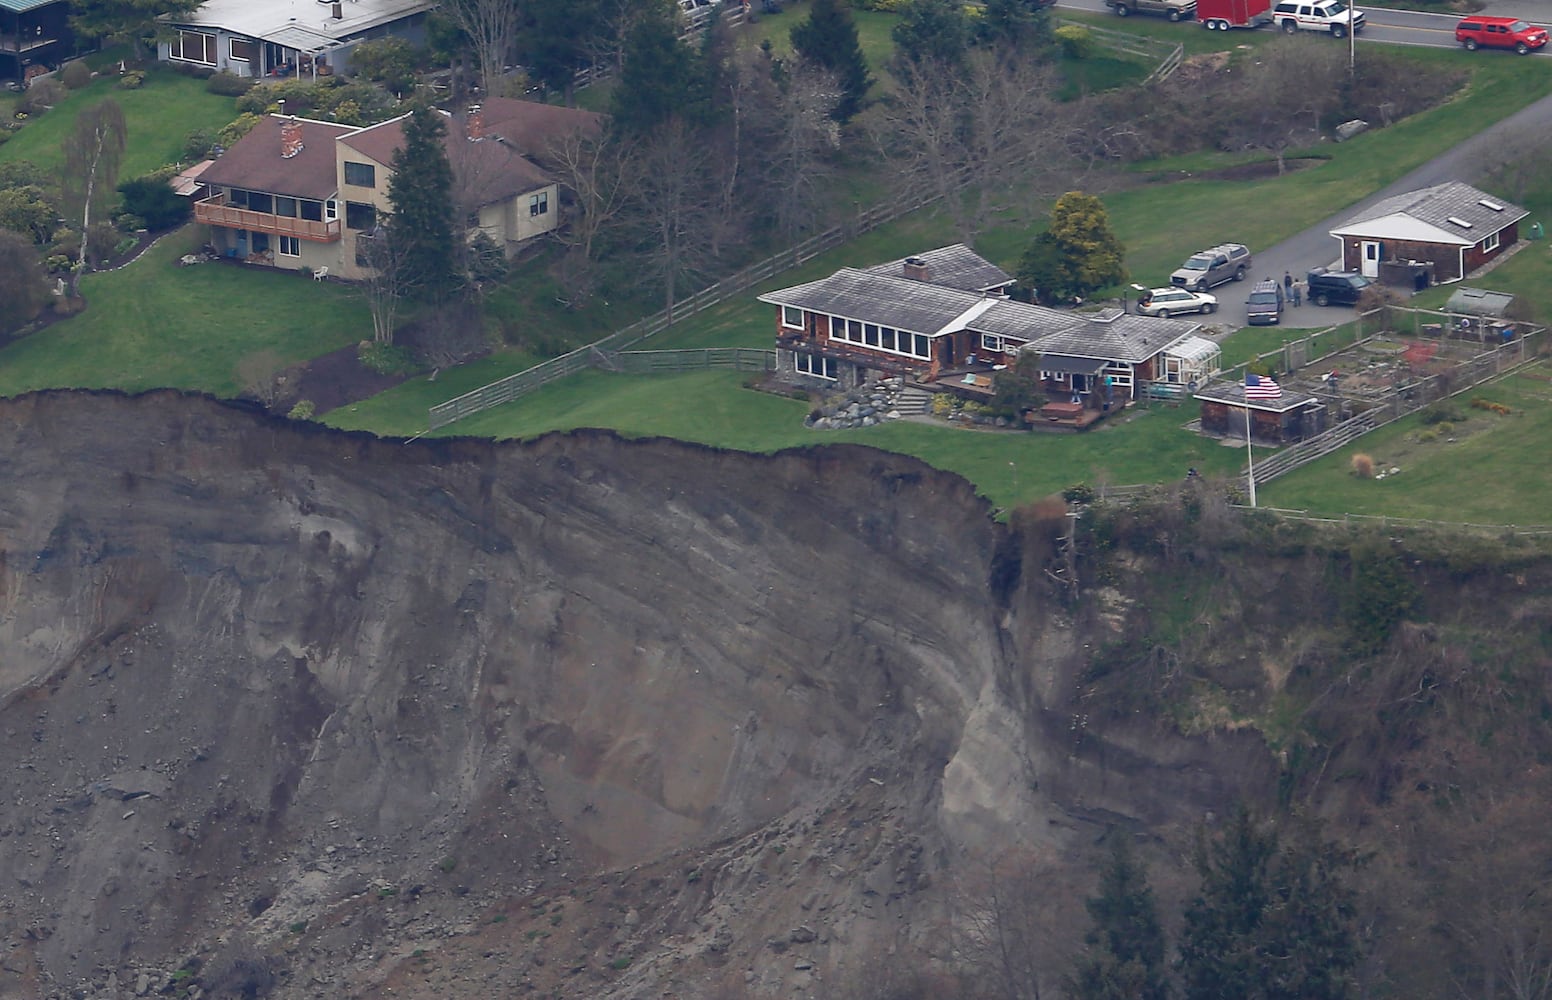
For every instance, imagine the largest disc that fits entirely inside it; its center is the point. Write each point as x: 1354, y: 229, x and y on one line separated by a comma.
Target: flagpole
x: 1250, y: 463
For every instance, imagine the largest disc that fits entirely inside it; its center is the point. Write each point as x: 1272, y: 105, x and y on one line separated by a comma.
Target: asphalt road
x: 1467, y: 161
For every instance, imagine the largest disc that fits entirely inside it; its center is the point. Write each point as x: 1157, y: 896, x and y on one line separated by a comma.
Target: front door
x: 1371, y: 259
x: 1080, y: 383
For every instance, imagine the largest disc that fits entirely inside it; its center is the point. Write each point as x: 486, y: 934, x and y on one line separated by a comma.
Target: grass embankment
x: 160, y: 115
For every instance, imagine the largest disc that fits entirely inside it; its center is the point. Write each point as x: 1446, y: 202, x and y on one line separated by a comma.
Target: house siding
x: 1446, y: 258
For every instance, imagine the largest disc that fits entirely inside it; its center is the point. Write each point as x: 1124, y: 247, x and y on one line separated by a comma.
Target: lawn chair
x: 319, y: 273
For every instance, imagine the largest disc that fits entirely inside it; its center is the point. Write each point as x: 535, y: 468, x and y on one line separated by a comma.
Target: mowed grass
x: 159, y: 115
x: 1487, y: 469
x: 153, y: 324
x: 714, y: 408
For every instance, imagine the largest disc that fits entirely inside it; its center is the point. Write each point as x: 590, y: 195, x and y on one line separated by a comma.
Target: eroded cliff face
x: 613, y: 717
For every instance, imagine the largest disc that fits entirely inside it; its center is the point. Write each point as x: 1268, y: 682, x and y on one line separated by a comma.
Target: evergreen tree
x: 660, y: 79
x: 1022, y: 24
x: 1270, y: 922
x: 125, y: 21
x: 933, y: 34
x: 1077, y: 256
x: 828, y: 39
x: 421, y: 191
x: 1126, y: 956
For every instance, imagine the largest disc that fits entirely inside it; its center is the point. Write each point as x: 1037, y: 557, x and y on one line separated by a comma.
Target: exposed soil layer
x: 296, y: 713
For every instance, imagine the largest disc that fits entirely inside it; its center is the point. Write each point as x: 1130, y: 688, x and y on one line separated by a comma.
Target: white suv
x: 1333, y: 16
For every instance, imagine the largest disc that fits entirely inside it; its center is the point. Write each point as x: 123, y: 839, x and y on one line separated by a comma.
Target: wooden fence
x: 1385, y: 522
x: 743, y: 359
x: 1401, y: 401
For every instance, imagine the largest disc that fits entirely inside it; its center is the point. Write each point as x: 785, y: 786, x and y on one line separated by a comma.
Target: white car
x: 1331, y: 16
x: 1167, y: 302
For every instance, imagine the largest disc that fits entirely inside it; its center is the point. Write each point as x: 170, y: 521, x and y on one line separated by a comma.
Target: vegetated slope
x: 298, y: 713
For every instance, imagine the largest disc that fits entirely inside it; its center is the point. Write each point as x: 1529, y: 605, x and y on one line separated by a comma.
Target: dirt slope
x: 593, y: 717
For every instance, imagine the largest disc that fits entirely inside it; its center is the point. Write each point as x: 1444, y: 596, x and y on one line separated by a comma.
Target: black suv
x: 1336, y: 288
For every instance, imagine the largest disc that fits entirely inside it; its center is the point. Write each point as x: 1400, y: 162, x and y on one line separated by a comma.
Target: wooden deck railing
x: 214, y: 211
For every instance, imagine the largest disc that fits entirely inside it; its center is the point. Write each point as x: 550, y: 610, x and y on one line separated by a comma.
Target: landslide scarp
x: 260, y: 677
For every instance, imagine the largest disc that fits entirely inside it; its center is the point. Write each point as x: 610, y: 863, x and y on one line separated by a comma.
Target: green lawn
x: 1494, y: 471
x: 154, y: 324
x: 714, y: 408
x: 160, y: 114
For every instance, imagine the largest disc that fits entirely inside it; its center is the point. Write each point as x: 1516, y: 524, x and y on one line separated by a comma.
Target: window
x: 1054, y: 376
x: 312, y: 211
x: 539, y: 204
x: 193, y: 46
x: 290, y: 246
x: 813, y: 364
x: 242, y: 49
x: 237, y: 198
x: 330, y: 210
x: 258, y: 201
x: 362, y: 175
x: 887, y: 338
x: 991, y: 342
x: 923, y: 346
x: 1490, y: 244
x: 360, y: 217
x: 285, y: 206
x: 870, y: 336
x: 792, y: 317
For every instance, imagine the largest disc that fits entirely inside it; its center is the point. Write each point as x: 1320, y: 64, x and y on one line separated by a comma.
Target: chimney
x: 474, y: 123
x: 916, y: 269
x: 338, y: 11
x: 290, y: 137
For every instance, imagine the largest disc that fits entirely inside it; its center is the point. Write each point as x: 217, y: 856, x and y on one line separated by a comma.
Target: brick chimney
x: 290, y: 137
x: 474, y: 123
x: 916, y: 269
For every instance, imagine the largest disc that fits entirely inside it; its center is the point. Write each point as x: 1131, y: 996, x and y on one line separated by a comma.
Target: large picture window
x: 883, y: 338
x: 792, y: 317
x: 193, y: 46
x: 813, y: 364
x: 242, y: 49
x: 360, y: 217
x: 360, y: 175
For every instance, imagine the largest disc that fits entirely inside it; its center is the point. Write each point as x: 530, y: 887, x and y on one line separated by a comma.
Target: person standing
x: 1287, y: 284
x: 1298, y: 293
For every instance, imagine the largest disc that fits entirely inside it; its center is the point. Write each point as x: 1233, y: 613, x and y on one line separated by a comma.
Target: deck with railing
x: 214, y: 211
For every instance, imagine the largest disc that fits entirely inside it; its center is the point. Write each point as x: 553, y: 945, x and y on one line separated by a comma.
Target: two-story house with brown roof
x: 302, y: 193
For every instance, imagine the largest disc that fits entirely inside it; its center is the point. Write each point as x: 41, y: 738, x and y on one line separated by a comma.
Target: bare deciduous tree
x: 93, y: 152
x: 491, y: 27
x: 1012, y: 929
x: 673, y: 191
x: 1279, y: 102
x: 382, y: 282
x: 594, y: 169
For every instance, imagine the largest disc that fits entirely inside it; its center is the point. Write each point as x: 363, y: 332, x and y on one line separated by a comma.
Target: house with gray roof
x: 297, y: 38
x: 939, y: 319
x: 1453, y: 227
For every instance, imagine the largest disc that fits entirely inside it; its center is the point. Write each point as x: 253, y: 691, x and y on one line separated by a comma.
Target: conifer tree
x: 932, y: 34
x: 421, y: 191
x: 660, y: 77
x: 1125, y: 960
x: 1077, y: 256
x: 1271, y: 921
x: 828, y: 39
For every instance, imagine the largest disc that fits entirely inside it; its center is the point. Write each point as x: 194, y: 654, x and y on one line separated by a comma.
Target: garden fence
x: 743, y: 359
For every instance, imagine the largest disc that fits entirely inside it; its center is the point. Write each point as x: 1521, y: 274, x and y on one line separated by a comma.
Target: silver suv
x: 1213, y: 266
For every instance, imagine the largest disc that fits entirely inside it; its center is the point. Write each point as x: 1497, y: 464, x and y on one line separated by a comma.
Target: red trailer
x: 1225, y: 14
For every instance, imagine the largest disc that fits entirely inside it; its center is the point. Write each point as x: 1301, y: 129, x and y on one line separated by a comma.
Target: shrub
x: 132, y: 81
x: 42, y: 94
x: 198, y: 144
x: 229, y: 84
x: 1077, y: 42
x: 125, y: 245
x: 76, y: 75
x: 237, y: 128
x: 1486, y: 404
x: 386, y: 359
x: 154, y: 200
x: 1362, y: 466
x: 390, y: 61
x: 128, y: 222
x: 302, y: 411
x: 1444, y: 412
x: 942, y: 404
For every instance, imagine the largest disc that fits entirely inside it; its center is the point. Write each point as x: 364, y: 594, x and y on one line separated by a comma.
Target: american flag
x: 1261, y: 387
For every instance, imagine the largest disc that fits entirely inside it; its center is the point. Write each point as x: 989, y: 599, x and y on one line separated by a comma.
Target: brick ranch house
x: 1453, y: 227
x: 942, y: 319
x: 300, y: 193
